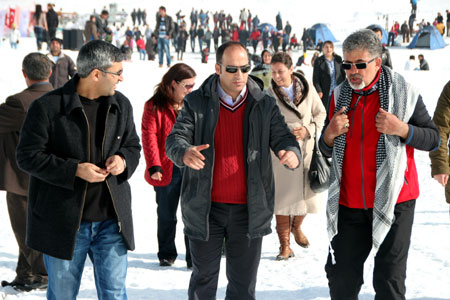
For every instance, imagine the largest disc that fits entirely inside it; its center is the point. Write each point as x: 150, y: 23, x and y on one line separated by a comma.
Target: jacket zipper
x: 89, y: 159
x: 106, y: 181
x: 362, y: 147
x: 211, y: 181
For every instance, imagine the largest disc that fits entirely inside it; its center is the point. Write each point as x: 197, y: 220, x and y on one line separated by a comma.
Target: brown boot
x: 283, y: 230
x: 296, y: 230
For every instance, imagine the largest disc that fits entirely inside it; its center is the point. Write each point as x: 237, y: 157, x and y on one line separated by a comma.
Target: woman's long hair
x: 164, y: 95
x: 37, y: 12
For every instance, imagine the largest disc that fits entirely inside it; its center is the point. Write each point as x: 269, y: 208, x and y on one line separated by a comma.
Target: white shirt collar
x: 227, y: 98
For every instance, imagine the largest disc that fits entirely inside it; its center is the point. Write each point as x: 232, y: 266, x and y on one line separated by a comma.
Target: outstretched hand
x: 193, y: 158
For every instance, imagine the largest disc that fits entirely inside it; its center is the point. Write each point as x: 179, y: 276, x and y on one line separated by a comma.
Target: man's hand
x: 441, y: 178
x: 300, y: 133
x: 288, y: 158
x: 91, y: 173
x: 339, y: 124
x: 156, y: 176
x: 389, y: 124
x: 193, y: 158
x: 320, y: 95
x: 114, y: 165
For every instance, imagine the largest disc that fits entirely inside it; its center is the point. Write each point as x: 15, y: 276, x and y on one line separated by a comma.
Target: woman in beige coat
x: 305, y: 115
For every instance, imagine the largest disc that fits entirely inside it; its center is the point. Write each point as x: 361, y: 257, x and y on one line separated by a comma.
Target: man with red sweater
x: 376, y: 120
x: 224, y: 134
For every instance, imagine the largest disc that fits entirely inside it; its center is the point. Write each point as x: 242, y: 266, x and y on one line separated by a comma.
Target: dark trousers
x: 30, y: 264
x: 229, y: 221
x: 167, y: 198
x: 352, y: 246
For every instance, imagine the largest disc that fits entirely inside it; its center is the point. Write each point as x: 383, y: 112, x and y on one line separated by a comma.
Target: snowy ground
x: 302, y: 277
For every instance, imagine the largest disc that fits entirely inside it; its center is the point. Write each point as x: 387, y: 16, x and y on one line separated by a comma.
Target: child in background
x: 141, y: 48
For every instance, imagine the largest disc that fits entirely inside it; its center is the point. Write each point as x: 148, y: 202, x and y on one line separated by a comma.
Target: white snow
x: 302, y: 277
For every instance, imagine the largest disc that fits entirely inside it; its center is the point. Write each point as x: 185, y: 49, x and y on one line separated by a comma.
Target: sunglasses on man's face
x: 359, y: 66
x: 234, y: 69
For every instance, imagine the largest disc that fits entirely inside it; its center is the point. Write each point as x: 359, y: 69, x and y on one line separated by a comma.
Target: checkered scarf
x: 398, y: 98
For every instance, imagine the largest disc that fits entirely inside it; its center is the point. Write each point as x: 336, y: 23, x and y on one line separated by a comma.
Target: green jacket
x: 440, y: 158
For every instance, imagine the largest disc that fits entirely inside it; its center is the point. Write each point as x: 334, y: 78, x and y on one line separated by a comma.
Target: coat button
x: 118, y: 137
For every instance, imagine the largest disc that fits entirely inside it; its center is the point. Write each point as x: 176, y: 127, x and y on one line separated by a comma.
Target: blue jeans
x: 142, y: 54
x: 163, y: 46
x: 39, y: 33
x: 167, y: 198
x: 106, y: 248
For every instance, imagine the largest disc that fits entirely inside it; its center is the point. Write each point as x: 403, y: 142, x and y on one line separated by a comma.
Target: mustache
x: 357, y: 76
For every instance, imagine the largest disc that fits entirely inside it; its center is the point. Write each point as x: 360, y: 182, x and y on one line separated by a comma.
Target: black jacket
x: 322, y: 77
x: 52, y: 19
x: 53, y: 141
x: 264, y: 129
x: 169, y: 26
x: 386, y: 57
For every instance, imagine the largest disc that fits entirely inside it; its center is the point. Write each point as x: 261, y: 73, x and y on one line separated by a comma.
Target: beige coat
x: 293, y: 196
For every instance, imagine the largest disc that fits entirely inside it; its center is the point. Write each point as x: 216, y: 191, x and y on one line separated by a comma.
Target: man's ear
x: 217, y: 67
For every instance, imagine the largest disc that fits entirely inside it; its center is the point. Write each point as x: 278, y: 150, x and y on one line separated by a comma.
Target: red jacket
x: 156, y: 126
x: 359, y: 166
x: 255, y: 35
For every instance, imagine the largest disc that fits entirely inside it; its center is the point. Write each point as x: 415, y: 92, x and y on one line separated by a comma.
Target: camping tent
x: 322, y: 32
x: 384, y: 38
x: 429, y: 37
x: 262, y: 26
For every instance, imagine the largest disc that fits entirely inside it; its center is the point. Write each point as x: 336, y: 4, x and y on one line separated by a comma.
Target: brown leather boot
x: 296, y: 230
x: 283, y: 230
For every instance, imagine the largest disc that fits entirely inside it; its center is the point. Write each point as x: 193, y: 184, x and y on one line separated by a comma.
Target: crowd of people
x: 235, y: 152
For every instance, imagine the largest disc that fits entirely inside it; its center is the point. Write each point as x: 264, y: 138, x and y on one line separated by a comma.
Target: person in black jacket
x: 63, y: 67
x: 52, y: 21
x: 163, y: 31
x: 423, y: 63
x: 79, y: 145
x: 385, y: 54
x: 235, y: 202
x: 327, y: 73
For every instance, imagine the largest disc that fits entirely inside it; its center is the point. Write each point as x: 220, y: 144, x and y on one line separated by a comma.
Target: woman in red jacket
x: 160, y: 113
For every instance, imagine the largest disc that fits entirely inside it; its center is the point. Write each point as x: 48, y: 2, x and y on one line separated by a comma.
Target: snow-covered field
x: 303, y: 277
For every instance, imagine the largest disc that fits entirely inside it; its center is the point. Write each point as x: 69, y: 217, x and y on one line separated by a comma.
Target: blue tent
x: 322, y: 32
x: 429, y: 37
x: 263, y: 25
x: 384, y: 38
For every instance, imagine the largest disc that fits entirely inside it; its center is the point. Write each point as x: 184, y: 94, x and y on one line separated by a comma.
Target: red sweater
x: 359, y: 166
x: 229, y: 181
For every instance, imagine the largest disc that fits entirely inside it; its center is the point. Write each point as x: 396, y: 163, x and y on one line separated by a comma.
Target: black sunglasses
x: 233, y: 69
x: 359, y: 66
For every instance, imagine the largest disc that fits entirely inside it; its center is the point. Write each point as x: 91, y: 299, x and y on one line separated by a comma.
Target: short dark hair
x: 97, y: 54
x: 224, y: 46
x: 162, y: 8
x: 377, y: 29
x: 105, y: 12
x: 328, y: 42
x: 37, y: 66
x: 282, y: 57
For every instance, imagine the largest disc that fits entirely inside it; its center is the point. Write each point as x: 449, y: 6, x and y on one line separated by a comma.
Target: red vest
x: 229, y: 180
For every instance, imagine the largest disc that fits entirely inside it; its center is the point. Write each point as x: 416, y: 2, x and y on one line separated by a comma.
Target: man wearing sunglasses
x: 79, y: 145
x: 376, y: 120
x: 224, y: 134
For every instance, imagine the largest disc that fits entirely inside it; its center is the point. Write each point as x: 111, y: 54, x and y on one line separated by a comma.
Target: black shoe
x: 189, y: 265
x: 166, y: 262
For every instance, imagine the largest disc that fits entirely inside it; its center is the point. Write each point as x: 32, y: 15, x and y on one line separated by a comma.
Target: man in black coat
x: 52, y: 21
x: 385, y: 54
x: 80, y: 147
x: 229, y: 121
x: 423, y: 63
x: 327, y: 73
x: 36, y: 69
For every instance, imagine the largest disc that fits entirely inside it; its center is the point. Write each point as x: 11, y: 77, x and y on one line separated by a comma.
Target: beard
x: 359, y: 86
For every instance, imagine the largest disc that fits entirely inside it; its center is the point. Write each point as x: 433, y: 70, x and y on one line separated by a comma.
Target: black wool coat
x: 53, y: 141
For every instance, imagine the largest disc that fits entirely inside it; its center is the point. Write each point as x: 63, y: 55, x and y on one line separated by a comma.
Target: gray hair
x: 37, y: 66
x: 97, y: 54
x: 364, y: 39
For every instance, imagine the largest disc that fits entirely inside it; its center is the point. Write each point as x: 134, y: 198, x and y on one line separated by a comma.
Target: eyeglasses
x: 113, y: 73
x: 186, y: 86
x: 359, y: 66
x: 233, y: 69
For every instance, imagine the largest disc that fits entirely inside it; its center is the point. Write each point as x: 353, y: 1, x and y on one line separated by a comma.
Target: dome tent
x: 322, y: 32
x: 429, y: 38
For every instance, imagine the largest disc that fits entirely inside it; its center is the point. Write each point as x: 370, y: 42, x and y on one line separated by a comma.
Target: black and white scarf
x: 399, y: 98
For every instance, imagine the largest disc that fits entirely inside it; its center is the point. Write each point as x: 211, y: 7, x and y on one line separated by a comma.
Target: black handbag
x: 319, y: 170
